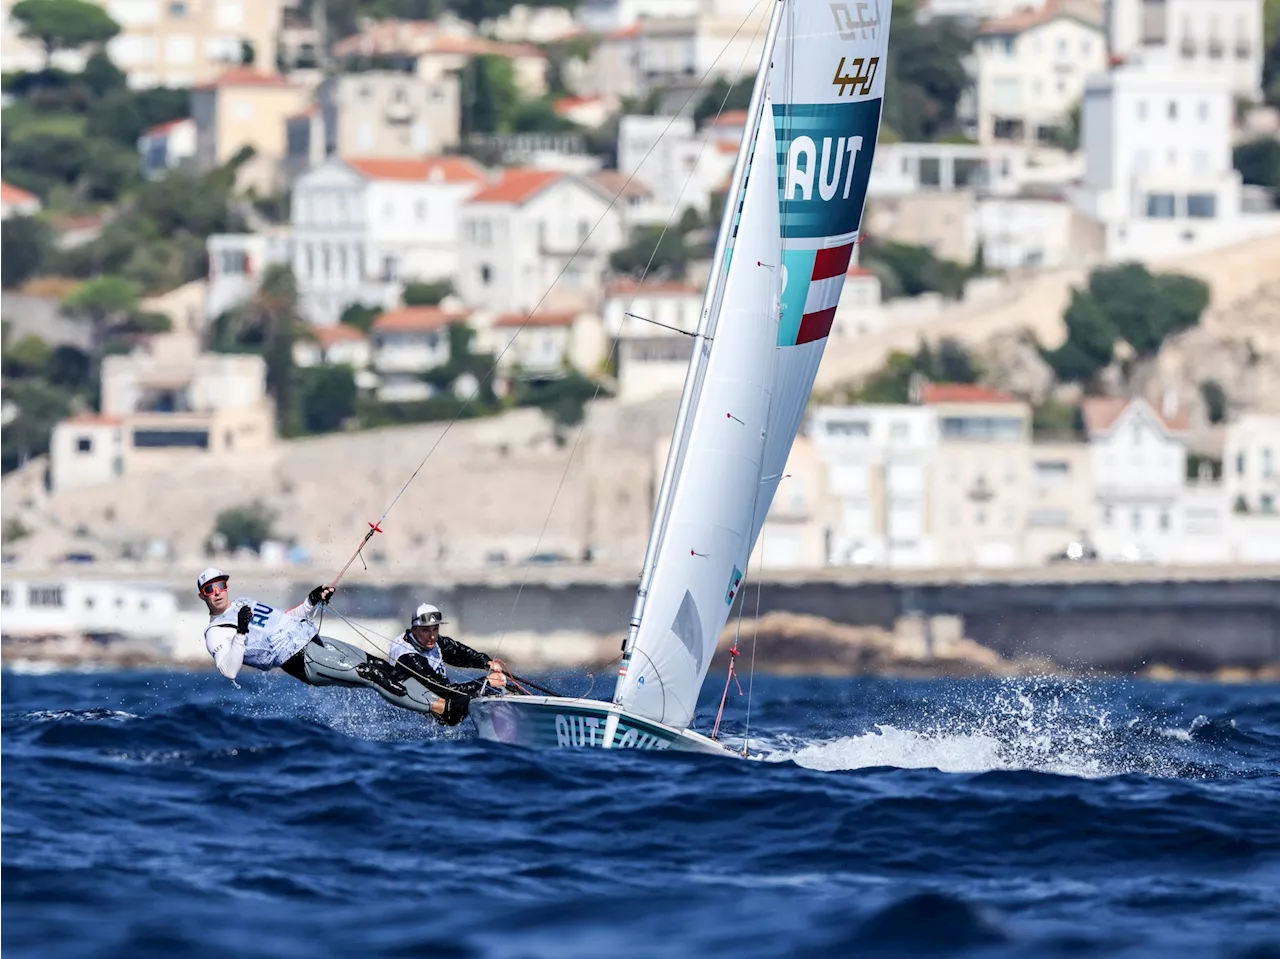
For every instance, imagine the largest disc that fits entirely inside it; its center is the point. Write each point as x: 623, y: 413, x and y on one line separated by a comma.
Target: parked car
x: 1077, y: 551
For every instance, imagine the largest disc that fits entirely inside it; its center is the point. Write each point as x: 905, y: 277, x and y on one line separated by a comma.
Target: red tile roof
x: 963, y: 393
x: 568, y: 103
x: 534, y: 319
x: 437, y: 169
x: 1024, y: 20
x: 246, y: 77
x: 1101, y: 413
x: 730, y: 118
x: 617, y: 183
x: 15, y: 194
x: 161, y: 128
x: 625, y: 33
x: 517, y: 185
x: 415, y: 318
x: 860, y: 271
x: 326, y: 336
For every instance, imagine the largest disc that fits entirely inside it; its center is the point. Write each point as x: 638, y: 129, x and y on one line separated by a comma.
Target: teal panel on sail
x: 825, y: 152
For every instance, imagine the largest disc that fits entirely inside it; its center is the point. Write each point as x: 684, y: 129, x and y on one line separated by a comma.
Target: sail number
x: 589, y: 731
x: 860, y: 77
x: 803, y: 166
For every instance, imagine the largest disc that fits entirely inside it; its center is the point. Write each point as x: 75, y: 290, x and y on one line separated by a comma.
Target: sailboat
x: 784, y: 248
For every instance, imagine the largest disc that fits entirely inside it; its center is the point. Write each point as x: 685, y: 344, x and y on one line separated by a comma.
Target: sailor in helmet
x: 245, y: 632
x: 422, y: 653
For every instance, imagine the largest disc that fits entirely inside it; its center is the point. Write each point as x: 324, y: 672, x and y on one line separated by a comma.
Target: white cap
x: 209, y: 575
x: 427, y: 615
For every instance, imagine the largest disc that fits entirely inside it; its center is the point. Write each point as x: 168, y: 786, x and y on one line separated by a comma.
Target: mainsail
x: 812, y: 142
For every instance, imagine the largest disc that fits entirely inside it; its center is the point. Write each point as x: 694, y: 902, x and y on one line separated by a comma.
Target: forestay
x: 799, y: 222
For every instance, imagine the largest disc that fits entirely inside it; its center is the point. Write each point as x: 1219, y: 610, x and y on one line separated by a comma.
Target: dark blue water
x: 152, y: 814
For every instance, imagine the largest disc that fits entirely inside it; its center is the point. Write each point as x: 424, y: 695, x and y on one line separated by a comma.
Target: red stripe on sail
x: 832, y: 262
x: 815, y: 326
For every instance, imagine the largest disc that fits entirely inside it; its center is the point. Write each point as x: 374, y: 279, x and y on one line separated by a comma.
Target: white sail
x: 788, y: 256
x: 708, y: 531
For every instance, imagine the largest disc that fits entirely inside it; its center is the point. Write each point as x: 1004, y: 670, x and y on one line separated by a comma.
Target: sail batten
x: 772, y: 304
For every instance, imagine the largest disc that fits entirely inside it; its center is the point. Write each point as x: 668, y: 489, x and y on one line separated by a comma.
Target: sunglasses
x: 217, y: 586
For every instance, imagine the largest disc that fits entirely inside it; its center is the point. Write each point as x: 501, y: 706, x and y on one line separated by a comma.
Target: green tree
x: 104, y: 303
x: 417, y: 293
x: 562, y: 399
x: 328, y: 397
x: 662, y: 253
x: 1215, y: 400
x: 926, y: 77
x: 26, y: 358
x: 63, y: 24
x: 360, y: 316
x: 954, y: 364
x: 40, y: 407
x: 723, y: 96
x: 245, y: 526
x: 490, y: 96
x: 24, y: 244
x: 271, y: 319
x: 1259, y: 162
x: 910, y: 270
x: 1053, y: 419
x: 1091, y: 339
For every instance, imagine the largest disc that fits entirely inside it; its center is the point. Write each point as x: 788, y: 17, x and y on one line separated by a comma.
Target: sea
x: 161, y: 814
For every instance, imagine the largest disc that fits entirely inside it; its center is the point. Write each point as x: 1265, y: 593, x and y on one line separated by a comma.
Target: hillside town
x: 262, y: 258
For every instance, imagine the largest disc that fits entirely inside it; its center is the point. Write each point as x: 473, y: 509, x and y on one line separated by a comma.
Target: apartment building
x: 547, y: 343
x: 246, y: 107
x: 1251, y: 464
x: 1030, y: 72
x: 163, y: 405
x: 1222, y: 38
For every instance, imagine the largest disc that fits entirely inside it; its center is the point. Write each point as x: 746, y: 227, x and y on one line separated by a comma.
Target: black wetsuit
x: 457, y: 696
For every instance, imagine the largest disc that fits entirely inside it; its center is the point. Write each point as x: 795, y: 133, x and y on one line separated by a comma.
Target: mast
x: 697, y: 362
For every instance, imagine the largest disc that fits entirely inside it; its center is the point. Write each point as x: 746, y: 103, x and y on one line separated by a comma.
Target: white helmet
x: 427, y: 615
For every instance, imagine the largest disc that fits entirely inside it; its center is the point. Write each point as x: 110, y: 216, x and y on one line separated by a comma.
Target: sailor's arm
x: 461, y: 655
x: 226, y: 646
x: 308, y: 608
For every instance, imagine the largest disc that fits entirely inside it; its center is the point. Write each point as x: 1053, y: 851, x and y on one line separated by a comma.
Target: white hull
x: 553, y: 721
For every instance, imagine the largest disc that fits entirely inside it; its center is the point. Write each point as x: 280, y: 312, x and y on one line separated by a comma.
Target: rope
x: 643, y: 275
x: 377, y: 527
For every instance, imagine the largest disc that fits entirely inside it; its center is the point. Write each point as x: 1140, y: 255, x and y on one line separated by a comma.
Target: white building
x: 974, y: 9
x: 606, y: 16
x: 1139, y: 464
x: 652, y: 359
x: 901, y: 169
x: 15, y: 201
x: 1251, y: 464
x: 982, y: 488
x: 674, y: 53
x: 236, y: 264
x: 879, y: 466
x: 338, y: 345
x: 406, y: 344
x: 541, y: 344
x: 163, y: 405
x: 166, y: 146
x: 1159, y: 172
x: 1035, y: 232
x: 680, y: 166
x: 391, y: 115
x: 1216, y: 37
x: 1030, y: 72
x: 75, y: 606
x: 362, y: 226
x: 536, y: 239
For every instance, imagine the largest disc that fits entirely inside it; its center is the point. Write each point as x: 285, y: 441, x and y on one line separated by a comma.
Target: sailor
x: 245, y: 632
x: 422, y: 653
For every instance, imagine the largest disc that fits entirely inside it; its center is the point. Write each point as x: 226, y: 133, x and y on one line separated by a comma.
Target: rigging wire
x: 643, y: 275
x: 377, y: 527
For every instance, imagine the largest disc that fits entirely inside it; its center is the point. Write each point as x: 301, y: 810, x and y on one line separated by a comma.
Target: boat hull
x: 552, y: 721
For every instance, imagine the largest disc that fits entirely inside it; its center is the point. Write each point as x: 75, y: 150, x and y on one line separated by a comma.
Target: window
x: 164, y: 439
x: 848, y: 428
x: 1049, y: 517
x: 1107, y: 516
x: 44, y: 596
x: 420, y: 210
x: 899, y: 430
x: 130, y: 12
x: 1135, y: 519
x: 1142, y: 109
x: 486, y: 275
x: 1161, y: 206
x: 1268, y: 503
x: 1239, y: 464
x: 1204, y: 111
x: 130, y: 48
x: 997, y: 428
x: 233, y: 262
x: 6, y: 596
x: 177, y: 9
x: 84, y: 444
x: 980, y: 517
x: 1266, y: 462
x: 230, y: 13
x: 584, y: 230
x: 1202, y: 206
x: 1053, y: 472
x: 1164, y: 519
x: 1173, y: 109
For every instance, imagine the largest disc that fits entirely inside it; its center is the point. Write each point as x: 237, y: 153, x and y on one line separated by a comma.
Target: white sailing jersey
x: 400, y: 646
x: 274, y: 635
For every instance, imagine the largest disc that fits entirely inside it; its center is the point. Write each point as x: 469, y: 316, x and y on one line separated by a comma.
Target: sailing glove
x: 321, y: 594
x: 242, y: 619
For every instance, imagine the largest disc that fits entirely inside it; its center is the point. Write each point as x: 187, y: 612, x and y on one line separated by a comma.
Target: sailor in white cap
x: 245, y: 632
x: 422, y: 653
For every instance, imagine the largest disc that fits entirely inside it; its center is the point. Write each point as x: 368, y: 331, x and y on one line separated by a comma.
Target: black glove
x: 321, y: 594
x: 455, y: 710
x: 242, y: 619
